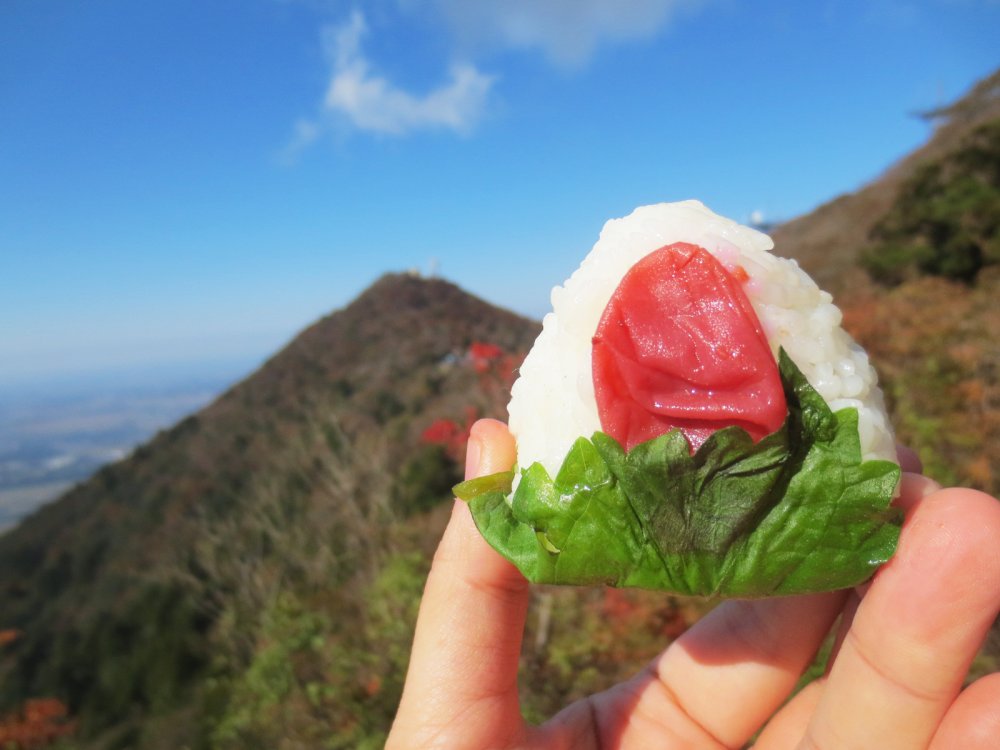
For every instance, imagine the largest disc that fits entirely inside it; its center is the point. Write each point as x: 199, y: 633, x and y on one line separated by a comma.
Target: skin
x: 904, y: 646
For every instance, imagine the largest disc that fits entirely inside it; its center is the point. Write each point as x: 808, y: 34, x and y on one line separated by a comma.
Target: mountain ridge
x: 178, y: 596
x: 827, y: 240
x: 89, y: 579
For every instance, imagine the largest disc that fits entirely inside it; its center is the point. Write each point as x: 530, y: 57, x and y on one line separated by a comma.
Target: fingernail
x: 913, y: 488
x: 473, y: 450
x: 922, y: 483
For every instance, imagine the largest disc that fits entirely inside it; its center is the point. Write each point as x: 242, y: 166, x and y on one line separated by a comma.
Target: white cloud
x: 567, y: 31
x: 373, y: 103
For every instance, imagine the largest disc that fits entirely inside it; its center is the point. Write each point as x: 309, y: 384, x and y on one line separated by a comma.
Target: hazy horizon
x: 57, y: 432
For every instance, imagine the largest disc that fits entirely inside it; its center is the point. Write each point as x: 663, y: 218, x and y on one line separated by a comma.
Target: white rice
x: 553, y: 403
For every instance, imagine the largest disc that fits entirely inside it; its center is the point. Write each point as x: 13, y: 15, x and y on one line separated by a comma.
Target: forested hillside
x: 250, y: 577
x: 148, y: 599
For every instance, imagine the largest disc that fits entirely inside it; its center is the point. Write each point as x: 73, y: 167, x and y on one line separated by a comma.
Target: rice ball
x: 553, y: 402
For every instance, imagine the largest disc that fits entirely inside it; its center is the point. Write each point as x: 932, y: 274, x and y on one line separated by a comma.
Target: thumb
x: 461, y: 687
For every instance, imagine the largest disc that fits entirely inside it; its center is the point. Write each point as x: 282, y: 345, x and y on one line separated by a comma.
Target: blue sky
x: 193, y: 182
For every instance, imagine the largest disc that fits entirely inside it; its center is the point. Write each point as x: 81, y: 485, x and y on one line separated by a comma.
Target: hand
x: 903, y: 649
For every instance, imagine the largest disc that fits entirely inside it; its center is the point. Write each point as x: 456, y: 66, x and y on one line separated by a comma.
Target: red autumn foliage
x: 440, y: 432
x: 373, y: 686
x: 616, y: 604
x: 9, y: 636
x: 38, y: 724
x: 934, y: 344
x: 481, y: 352
x: 496, y: 369
x: 451, y: 435
x: 485, y: 350
x: 623, y: 608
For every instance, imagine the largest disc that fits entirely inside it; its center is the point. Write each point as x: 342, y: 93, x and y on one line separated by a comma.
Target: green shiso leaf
x: 797, y: 512
x: 472, y: 488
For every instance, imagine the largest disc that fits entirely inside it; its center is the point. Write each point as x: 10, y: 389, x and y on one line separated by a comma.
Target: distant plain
x: 54, y: 436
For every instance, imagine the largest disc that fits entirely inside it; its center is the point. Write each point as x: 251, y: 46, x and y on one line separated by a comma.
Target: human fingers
x: 973, y: 721
x: 788, y: 726
x: 916, y: 630
x: 785, y: 730
x: 716, y: 685
x: 461, y: 686
x: 913, y: 488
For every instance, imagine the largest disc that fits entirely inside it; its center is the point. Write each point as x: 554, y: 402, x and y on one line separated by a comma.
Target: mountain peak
x: 321, y: 434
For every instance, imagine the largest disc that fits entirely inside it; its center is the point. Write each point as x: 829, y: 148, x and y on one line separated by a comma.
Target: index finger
x: 462, y: 679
